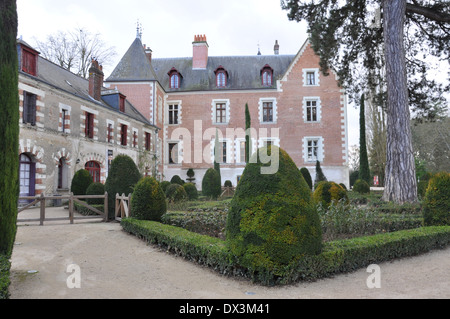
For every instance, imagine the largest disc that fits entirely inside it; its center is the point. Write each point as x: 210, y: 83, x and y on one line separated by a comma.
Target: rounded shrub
x: 307, y: 176
x: 148, y: 201
x: 177, y: 180
x: 422, y: 185
x: 164, y: 185
x: 191, y: 191
x: 228, y: 183
x: 176, y: 193
x: 80, y: 182
x: 327, y: 192
x: 272, y: 220
x: 123, y: 175
x: 211, y: 184
x: 95, y: 189
x: 361, y: 186
x: 436, y: 205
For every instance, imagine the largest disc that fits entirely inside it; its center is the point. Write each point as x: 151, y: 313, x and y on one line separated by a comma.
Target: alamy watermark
x: 374, y: 280
x: 74, y: 279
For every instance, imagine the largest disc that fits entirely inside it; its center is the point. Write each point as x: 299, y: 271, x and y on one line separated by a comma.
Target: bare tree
x: 74, y: 50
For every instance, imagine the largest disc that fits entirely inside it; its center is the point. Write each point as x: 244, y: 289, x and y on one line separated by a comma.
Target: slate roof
x: 244, y: 72
x: 71, y: 83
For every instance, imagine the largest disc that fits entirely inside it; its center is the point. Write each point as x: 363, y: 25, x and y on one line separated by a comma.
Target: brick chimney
x: 148, y: 53
x: 200, y: 56
x: 96, y: 80
x: 276, y: 48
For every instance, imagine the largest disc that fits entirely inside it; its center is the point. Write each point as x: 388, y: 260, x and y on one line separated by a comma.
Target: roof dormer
x: 267, y: 76
x: 28, y: 58
x: 175, y: 78
x: 221, y: 77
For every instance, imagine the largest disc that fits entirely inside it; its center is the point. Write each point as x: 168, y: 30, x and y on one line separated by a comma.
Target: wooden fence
x: 72, y: 199
x: 123, y: 206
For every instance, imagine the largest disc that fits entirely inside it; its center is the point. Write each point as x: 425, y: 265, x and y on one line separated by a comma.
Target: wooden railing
x: 123, y: 206
x: 71, y: 198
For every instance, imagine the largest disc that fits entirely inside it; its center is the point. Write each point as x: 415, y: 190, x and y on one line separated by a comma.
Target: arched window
x: 94, y: 169
x: 175, y: 78
x: 27, y: 176
x: 221, y: 77
x: 267, y: 75
x: 63, y: 182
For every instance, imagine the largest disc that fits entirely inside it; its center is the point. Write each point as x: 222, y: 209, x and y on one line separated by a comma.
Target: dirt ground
x: 115, y: 265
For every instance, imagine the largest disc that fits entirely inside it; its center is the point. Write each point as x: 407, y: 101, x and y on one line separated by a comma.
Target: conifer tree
x: 364, y: 170
x: 320, y: 176
x: 248, y: 124
x: 9, y: 128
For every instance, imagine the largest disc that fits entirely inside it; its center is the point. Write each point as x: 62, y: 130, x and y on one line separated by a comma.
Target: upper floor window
x: 29, y: 108
x: 122, y: 103
x: 123, y: 135
x: 312, y: 109
x: 173, y: 114
x: 311, y: 77
x: 267, y: 75
x: 175, y: 78
x: 29, y: 61
x: 89, y: 125
x: 221, y: 77
x: 148, y: 141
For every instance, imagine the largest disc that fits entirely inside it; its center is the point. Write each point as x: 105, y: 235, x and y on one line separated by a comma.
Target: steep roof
x: 66, y: 81
x: 134, y: 66
x: 244, y: 72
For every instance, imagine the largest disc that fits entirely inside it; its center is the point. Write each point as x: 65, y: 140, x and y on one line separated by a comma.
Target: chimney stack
x: 276, y: 48
x: 200, y: 56
x: 148, y: 53
x: 96, y: 77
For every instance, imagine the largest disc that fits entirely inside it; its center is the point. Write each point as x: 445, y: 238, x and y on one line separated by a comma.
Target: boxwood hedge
x: 337, y: 257
x: 4, y: 276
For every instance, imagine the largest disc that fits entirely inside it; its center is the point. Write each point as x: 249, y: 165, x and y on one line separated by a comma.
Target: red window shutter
x: 91, y: 126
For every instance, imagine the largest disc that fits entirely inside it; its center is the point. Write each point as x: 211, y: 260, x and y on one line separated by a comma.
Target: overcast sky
x: 232, y: 27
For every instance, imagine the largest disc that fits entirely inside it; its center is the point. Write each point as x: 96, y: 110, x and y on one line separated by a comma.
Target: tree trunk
x: 401, y: 184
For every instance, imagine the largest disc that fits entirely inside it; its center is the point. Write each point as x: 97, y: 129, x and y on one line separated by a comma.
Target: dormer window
x: 267, y: 76
x: 29, y: 61
x: 175, y: 78
x: 221, y: 77
x: 122, y: 103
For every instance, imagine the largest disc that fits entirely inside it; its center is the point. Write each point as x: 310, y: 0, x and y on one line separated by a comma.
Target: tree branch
x: 429, y: 13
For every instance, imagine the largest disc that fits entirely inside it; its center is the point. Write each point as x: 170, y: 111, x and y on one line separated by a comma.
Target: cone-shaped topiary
x: 436, y: 205
x: 272, y: 221
x: 80, y: 182
x: 326, y: 192
x: 123, y: 175
x: 307, y: 176
x: 148, y: 201
x: 211, y: 184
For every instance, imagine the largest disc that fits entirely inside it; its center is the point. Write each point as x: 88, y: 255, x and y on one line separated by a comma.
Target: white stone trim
x: 227, y: 111
x: 275, y: 109
x: 319, y: 108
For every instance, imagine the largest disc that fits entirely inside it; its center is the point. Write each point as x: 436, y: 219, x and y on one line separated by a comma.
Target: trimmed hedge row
x: 4, y: 276
x: 337, y: 256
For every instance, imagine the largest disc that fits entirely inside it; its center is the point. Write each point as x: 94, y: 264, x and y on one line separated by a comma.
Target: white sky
x: 232, y: 27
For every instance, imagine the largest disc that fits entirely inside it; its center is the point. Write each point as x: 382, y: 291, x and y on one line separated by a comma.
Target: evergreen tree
x: 217, y: 154
x: 320, y: 176
x: 364, y: 170
x: 9, y: 127
x: 248, y: 124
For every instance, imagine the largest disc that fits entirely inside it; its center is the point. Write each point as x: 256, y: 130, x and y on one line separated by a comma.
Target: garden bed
x: 337, y: 256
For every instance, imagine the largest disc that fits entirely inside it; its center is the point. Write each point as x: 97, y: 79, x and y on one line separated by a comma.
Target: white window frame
x: 179, y: 152
x: 316, y: 77
x: 214, y: 108
x: 177, y: 103
x: 320, y: 149
x: 68, y: 109
x: 261, y: 109
x: 316, y: 99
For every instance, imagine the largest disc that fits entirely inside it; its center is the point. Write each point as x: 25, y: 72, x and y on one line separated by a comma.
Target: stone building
x: 68, y: 123
x: 292, y: 105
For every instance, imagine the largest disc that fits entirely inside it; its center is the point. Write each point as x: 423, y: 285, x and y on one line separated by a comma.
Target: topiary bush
x: 123, y: 175
x: 436, y: 205
x: 307, y: 177
x: 148, y: 201
x: 176, y: 193
x: 211, y: 184
x: 272, y: 220
x: 164, y: 185
x: 80, y: 182
x: 95, y: 189
x: 191, y: 191
x: 228, y: 183
x: 177, y: 180
x: 361, y: 186
x: 422, y: 185
x: 326, y: 192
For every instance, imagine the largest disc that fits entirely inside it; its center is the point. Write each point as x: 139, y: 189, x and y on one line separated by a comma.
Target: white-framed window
x: 173, y: 152
x: 312, y: 109
x: 313, y: 149
x: 268, y: 110
x: 64, y: 118
x: 311, y: 77
x: 225, y: 149
x: 240, y: 151
x: 110, y: 131
x: 173, y: 115
x: 220, y: 111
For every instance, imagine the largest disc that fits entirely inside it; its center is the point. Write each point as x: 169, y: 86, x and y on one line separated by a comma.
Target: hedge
x: 337, y: 257
x: 4, y: 276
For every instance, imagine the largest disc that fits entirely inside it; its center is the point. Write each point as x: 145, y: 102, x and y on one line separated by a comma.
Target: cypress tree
x: 320, y: 176
x: 9, y: 125
x: 248, y: 124
x: 364, y: 170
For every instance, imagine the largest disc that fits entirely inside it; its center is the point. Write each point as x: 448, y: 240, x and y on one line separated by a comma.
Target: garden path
x: 116, y: 265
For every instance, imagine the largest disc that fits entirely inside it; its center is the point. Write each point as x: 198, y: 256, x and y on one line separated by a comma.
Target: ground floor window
x: 27, y: 175
x: 94, y: 169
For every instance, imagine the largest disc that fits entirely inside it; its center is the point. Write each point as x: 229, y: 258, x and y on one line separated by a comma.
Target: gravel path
x: 116, y: 265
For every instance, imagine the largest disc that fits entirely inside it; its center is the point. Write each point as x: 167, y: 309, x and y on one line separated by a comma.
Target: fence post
x: 105, y: 207
x: 129, y: 205
x: 42, y: 215
x: 71, y: 208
